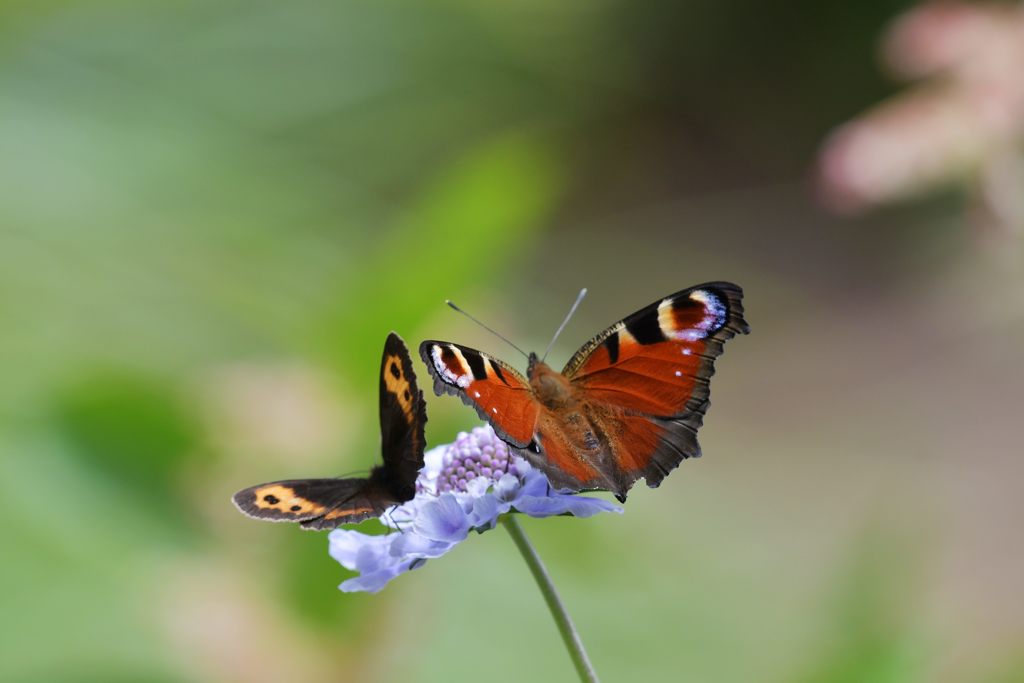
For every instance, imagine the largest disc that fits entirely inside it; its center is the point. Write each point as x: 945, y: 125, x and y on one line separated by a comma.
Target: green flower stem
x: 562, y: 620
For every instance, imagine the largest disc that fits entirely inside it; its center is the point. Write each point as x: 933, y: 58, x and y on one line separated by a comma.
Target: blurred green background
x: 211, y: 214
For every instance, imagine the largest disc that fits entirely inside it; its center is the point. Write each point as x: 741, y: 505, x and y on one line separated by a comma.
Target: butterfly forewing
x: 659, y: 359
x: 499, y: 393
x: 403, y: 416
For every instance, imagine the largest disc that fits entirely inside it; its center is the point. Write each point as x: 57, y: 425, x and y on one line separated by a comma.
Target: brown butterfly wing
x: 499, y: 393
x: 403, y: 416
x: 644, y: 382
x: 322, y: 504
x: 314, y: 503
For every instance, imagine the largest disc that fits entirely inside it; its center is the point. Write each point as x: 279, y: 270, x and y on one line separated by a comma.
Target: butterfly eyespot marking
x: 452, y: 365
x: 282, y: 498
x: 395, y: 372
x: 692, y: 318
x: 406, y: 395
x: 715, y: 314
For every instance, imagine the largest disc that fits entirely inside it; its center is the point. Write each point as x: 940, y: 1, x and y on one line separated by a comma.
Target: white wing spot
x: 687, y: 352
x: 679, y: 373
x: 494, y: 410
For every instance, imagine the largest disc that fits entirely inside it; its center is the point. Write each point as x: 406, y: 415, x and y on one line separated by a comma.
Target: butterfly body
x: 327, y: 503
x: 627, y: 405
x: 552, y: 389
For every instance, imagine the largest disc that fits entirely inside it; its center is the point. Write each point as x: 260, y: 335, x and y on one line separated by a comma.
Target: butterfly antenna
x: 452, y: 305
x: 583, y: 293
x: 353, y: 473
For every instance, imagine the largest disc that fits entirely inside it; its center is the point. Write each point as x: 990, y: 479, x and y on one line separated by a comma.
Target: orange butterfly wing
x: 499, y: 393
x: 647, y: 378
x: 635, y: 394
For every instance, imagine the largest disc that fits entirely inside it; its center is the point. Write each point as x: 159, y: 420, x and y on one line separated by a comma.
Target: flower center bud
x: 479, y: 453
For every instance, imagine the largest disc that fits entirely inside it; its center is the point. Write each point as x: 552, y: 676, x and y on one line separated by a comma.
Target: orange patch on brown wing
x: 283, y: 499
x: 397, y: 384
x: 347, y: 512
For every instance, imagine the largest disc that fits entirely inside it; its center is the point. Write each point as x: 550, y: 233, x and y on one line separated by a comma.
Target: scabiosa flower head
x: 463, y: 486
x: 473, y: 455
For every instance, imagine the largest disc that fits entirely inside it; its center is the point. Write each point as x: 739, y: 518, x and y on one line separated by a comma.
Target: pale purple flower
x: 463, y: 487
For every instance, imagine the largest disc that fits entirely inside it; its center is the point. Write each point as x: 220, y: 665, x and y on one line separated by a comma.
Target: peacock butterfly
x: 327, y: 503
x: 627, y: 405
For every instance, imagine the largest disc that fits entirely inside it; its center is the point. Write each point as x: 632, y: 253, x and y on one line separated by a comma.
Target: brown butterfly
x: 327, y: 503
x: 627, y: 405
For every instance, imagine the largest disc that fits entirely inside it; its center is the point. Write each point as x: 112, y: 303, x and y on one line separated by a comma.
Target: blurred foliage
x: 109, y: 420
x: 873, y: 641
x: 196, y: 192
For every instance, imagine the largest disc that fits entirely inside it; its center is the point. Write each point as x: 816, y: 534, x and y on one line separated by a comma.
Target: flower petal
x: 371, y: 582
x: 442, y: 519
x: 485, y: 511
x: 560, y: 504
x: 506, y: 487
x: 433, y: 462
x: 412, y: 545
x: 355, y: 550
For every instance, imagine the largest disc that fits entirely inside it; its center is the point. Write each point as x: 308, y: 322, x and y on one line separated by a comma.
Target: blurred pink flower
x: 965, y: 122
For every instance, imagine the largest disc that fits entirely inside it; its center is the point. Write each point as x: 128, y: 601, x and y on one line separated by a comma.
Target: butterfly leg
x: 391, y: 521
x: 394, y: 526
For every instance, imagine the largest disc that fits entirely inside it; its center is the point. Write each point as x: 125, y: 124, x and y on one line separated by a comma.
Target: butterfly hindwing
x: 307, y: 501
x: 499, y: 393
x: 322, y: 504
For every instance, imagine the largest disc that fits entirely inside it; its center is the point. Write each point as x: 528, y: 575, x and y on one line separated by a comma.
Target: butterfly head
x: 531, y: 366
